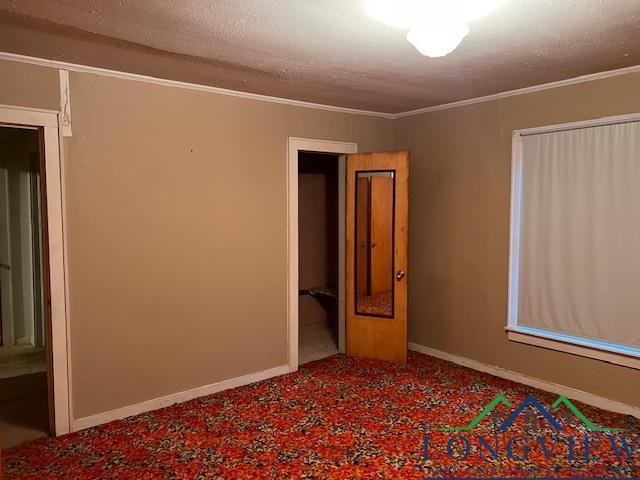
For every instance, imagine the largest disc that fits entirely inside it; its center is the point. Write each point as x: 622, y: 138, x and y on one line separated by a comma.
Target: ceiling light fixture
x: 436, y: 27
x: 438, y: 42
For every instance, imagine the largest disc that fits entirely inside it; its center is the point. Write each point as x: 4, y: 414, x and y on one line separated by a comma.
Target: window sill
x: 618, y: 355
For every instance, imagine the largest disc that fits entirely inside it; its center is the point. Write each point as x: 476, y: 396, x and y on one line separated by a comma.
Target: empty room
x: 347, y: 239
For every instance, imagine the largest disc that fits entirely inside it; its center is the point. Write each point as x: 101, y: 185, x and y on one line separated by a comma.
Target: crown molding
x: 522, y: 91
x: 72, y: 67
x: 318, y: 106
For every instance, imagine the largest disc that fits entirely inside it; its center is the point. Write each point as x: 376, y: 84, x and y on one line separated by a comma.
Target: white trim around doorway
x: 47, y: 120
x: 294, y: 146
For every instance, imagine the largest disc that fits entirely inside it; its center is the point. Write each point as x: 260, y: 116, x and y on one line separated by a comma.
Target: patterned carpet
x: 379, y: 304
x: 343, y: 418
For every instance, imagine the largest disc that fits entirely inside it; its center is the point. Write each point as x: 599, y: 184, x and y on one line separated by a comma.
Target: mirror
x: 374, y: 255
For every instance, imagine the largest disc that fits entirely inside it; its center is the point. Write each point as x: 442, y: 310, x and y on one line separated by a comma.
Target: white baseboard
x: 161, y: 402
x: 571, y: 393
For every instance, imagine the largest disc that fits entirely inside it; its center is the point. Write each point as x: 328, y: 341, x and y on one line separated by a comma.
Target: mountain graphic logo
x: 532, y: 402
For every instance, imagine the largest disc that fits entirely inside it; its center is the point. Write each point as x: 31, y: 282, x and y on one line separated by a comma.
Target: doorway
x: 24, y: 405
x: 297, y: 147
x: 374, y: 326
x: 318, y: 255
x: 41, y: 187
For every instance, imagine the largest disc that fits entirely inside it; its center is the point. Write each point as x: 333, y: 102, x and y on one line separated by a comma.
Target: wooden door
x: 376, y: 292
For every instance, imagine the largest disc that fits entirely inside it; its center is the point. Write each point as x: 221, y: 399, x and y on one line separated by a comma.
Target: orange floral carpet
x: 342, y: 418
x: 379, y: 304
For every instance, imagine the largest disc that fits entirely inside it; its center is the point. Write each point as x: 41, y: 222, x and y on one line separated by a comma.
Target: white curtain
x: 580, y: 233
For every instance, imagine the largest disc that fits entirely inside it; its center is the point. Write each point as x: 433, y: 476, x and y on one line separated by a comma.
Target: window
x: 575, y: 239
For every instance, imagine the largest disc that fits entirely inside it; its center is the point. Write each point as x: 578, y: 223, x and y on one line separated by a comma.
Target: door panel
x: 376, y: 255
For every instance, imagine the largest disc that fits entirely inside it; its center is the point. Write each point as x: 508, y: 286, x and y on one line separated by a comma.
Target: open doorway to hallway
x: 24, y: 404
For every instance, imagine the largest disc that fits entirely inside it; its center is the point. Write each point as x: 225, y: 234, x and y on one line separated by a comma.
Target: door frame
x: 294, y: 146
x: 58, y: 361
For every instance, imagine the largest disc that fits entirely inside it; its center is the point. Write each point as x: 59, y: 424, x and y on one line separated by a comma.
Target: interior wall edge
x: 569, y: 392
x: 175, y: 398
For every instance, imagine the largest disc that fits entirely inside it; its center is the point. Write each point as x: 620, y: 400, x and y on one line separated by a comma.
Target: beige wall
x: 176, y: 225
x: 29, y: 86
x: 176, y: 204
x: 176, y: 221
x: 459, y: 229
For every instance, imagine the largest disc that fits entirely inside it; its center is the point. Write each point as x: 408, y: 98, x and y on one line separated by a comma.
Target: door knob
x: 400, y: 275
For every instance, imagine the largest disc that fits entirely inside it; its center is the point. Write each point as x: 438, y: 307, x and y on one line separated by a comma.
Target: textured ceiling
x: 325, y: 51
